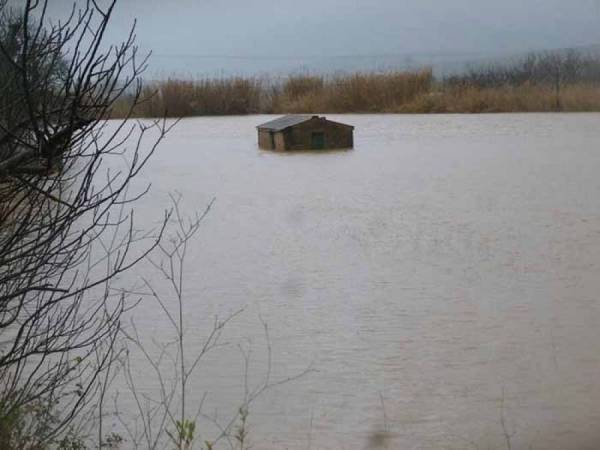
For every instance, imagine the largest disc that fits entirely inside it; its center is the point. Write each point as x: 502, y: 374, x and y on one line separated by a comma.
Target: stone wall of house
x: 281, y: 141
x: 264, y: 140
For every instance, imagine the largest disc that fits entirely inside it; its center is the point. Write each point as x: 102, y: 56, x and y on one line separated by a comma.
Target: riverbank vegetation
x: 542, y: 82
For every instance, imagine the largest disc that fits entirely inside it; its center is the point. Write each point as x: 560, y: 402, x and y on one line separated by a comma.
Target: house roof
x: 283, y: 122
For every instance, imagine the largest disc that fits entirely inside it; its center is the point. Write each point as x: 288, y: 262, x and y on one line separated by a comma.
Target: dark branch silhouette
x: 66, y: 207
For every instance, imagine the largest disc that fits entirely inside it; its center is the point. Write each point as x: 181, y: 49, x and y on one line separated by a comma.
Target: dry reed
x: 297, y: 94
x: 504, y: 99
x: 394, y: 92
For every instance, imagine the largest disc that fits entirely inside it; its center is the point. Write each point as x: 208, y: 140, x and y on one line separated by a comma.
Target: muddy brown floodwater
x: 442, y: 279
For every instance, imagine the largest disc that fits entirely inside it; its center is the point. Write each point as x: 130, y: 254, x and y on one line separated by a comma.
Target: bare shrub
x: 166, y: 417
x: 67, y: 226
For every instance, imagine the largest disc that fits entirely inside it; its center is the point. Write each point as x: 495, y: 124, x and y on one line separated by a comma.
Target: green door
x: 318, y: 141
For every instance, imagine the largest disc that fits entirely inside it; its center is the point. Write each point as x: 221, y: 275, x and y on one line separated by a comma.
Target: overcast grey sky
x: 182, y: 33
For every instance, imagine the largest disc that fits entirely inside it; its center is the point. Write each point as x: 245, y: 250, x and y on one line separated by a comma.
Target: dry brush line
x: 539, y: 82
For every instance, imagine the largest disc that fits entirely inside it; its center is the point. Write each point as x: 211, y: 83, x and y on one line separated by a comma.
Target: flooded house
x: 304, y: 133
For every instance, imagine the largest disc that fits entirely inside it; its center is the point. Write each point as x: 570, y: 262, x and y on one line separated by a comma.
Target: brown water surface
x: 448, y: 265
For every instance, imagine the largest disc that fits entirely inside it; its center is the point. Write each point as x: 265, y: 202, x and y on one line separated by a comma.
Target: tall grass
x: 183, y: 98
x: 506, y: 99
x: 538, y: 83
x: 358, y: 93
x: 361, y: 92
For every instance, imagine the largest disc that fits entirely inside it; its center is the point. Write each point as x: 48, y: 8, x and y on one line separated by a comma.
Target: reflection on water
x: 448, y: 265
